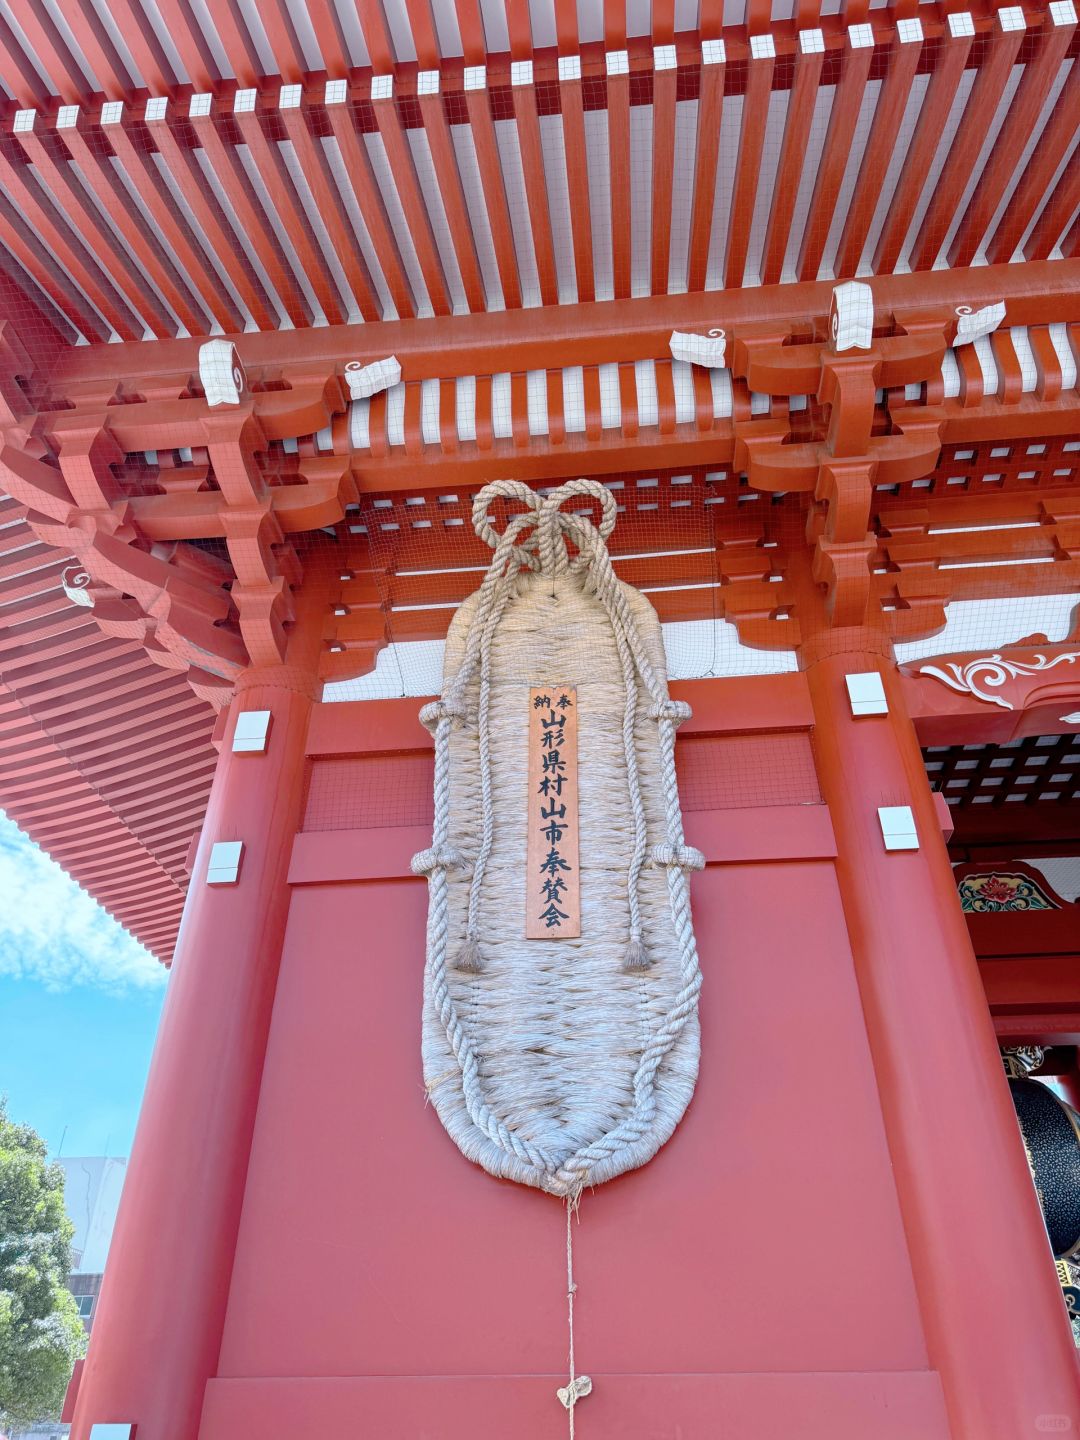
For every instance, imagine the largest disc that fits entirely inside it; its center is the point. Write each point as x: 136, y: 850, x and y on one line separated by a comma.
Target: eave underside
x: 521, y: 201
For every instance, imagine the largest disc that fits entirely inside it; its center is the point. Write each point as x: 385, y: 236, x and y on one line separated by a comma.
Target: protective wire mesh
x: 219, y: 200
x: 822, y: 150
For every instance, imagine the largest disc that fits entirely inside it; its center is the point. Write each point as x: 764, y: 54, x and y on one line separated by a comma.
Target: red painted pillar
x: 1070, y: 1084
x: 995, y: 1324
x: 158, y: 1329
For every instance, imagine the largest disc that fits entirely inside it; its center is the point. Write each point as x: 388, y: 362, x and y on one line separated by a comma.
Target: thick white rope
x: 547, y: 553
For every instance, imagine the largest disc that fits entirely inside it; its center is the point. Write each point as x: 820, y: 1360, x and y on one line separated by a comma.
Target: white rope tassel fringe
x: 540, y: 1113
x: 579, y: 1385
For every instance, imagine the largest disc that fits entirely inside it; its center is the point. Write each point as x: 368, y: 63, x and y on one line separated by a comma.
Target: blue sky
x: 79, y: 1007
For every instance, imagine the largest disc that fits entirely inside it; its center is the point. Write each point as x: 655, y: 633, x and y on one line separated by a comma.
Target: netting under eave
x: 702, y: 546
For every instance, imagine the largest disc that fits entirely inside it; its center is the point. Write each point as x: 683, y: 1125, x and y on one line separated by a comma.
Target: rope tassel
x: 468, y: 957
x: 635, y: 959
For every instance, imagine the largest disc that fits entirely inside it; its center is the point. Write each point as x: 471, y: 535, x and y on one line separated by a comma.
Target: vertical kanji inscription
x: 552, y: 889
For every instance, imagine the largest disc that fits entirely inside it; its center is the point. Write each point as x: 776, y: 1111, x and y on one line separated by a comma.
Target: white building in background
x: 92, y: 1186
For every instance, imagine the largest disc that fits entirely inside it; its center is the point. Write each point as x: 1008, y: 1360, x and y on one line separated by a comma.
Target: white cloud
x: 51, y: 931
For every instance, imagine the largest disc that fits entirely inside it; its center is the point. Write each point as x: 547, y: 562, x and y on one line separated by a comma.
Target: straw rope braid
x: 435, y: 862
x: 676, y: 856
x: 547, y: 553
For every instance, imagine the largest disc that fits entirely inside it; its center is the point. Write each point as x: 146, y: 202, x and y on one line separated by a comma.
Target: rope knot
x: 437, y: 710
x: 437, y: 857
x: 555, y: 528
x: 579, y: 1387
x: 674, y: 710
x: 678, y: 857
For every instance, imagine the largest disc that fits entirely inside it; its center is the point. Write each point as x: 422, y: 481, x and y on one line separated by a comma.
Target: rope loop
x: 437, y: 857
x: 677, y: 711
x: 554, y: 526
x: 436, y: 710
x: 677, y: 857
x: 483, y: 525
x: 546, y: 550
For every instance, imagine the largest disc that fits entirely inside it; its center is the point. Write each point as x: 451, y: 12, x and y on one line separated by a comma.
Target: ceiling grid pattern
x: 418, y: 181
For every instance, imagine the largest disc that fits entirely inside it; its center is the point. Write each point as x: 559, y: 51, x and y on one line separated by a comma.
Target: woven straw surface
x: 558, y: 1028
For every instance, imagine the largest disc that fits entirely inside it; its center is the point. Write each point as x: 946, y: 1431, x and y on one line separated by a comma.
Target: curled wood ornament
x: 562, y: 1061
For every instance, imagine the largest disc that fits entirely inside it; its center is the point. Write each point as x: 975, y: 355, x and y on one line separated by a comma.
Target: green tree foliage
x: 41, y: 1335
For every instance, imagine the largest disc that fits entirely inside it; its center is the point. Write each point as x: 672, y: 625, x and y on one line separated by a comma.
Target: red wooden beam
x: 527, y: 117
x: 710, y: 108
x: 17, y: 71
x: 216, y: 233
x: 66, y: 248
x: 237, y: 42
x: 1042, y: 166
x: 187, y: 35
x: 52, y: 51
x: 986, y: 92
x: 425, y: 38
x: 519, y: 29
x: 76, y: 203
x: 141, y: 39
x: 111, y: 72
x: 618, y: 119
x: 285, y: 43
x: 338, y: 226
x: 1057, y: 213
x: 614, y: 25
x: 663, y: 22
x: 801, y: 101
x: 372, y: 207
x: 567, y: 34
x: 234, y: 182
x: 834, y: 157
x: 880, y: 147
x: 274, y: 173
x: 577, y: 176
x: 478, y: 104
x: 105, y: 185
x: 471, y: 30
x: 330, y: 38
x: 755, y: 116
x: 444, y: 160
x: 600, y: 332
x: 663, y: 154
x: 398, y: 153
x: 1024, y: 108
x: 380, y: 47
x: 933, y: 116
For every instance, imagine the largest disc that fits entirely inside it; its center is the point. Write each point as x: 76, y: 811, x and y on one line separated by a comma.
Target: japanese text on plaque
x: 552, y: 887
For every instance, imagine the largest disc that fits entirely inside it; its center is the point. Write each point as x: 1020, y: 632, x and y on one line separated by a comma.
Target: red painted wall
x: 760, y: 1250
x: 841, y: 1240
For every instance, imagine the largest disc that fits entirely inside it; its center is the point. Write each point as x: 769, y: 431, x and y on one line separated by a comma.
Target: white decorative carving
x: 707, y: 350
x: 220, y: 373
x: 1073, y: 718
x: 974, y: 324
x: 993, y: 671
x: 74, y: 581
x: 851, y: 320
x: 365, y: 380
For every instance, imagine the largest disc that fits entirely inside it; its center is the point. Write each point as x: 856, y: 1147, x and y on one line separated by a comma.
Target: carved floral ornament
x: 1003, y: 890
x: 987, y: 673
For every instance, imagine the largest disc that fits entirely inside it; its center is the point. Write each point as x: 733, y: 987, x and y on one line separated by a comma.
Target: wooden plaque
x: 552, y: 880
